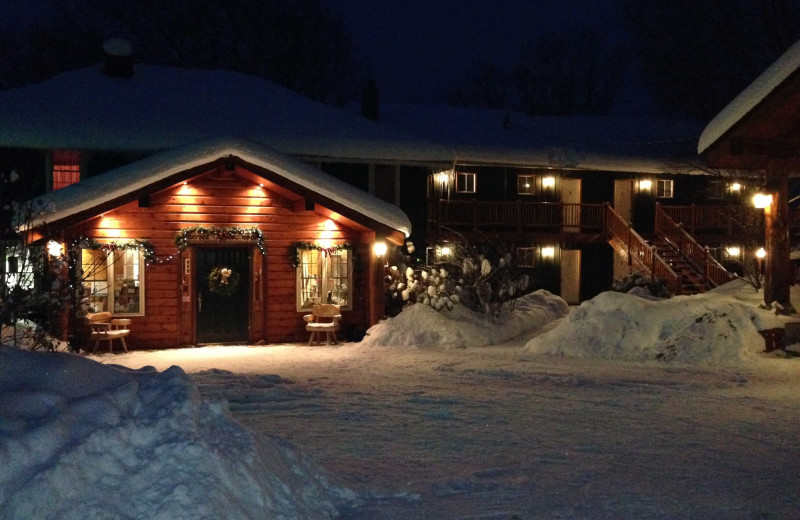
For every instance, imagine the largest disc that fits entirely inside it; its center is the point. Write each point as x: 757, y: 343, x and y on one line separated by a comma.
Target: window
x: 664, y: 188
x: 66, y: 168
x: 324, y: 277
x: 716, y: 190
x: 525, y: 185
x: 526, y: 257
x: 465, y: 182
x: 113, y: 282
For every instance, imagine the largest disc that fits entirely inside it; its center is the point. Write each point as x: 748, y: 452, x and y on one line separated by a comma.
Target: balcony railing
x: 520, y: 216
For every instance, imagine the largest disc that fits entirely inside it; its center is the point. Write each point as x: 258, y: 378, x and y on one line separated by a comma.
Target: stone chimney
x: 119, y: 58
x: 371, y: 101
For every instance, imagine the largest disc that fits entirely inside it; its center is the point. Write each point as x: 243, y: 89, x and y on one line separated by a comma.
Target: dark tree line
x: 301, y: 44
x: 692, y: 57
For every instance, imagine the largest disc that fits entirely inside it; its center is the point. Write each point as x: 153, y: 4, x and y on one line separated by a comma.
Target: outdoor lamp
x: 761, y: 253
x: 548, y: 182
x: 54, y: 248
x: 645, y: 185
x: 761, y: 200
x: 379, y: 248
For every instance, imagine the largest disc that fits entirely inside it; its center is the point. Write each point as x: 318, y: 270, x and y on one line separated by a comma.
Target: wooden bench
x: 103, y: 327
x: 325, y: 318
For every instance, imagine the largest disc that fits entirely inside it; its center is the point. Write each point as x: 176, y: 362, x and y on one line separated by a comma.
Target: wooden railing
x: 522, y: 216
x: 639, y: 252
x: 688, y: 247
x: 715, y: 219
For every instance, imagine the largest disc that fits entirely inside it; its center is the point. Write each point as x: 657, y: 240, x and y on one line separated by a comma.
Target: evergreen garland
x: 294, y: 252
x: 108, y: 247
x: 220, y: 233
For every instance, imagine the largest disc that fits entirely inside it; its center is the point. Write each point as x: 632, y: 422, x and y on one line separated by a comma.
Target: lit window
x: 114, y: 282
x: 526, y: 256
x: 323, y: 278
x: 525, y: 185
x: 19, y: 268
x: 66, y: 168
x: 664, y: 188
x: 465, y: 182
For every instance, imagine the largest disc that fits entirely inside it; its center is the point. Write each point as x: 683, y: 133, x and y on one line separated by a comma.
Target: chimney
x: 370, y: 101
x: 119, y: 58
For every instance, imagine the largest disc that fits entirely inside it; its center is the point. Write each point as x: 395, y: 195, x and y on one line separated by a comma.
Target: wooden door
x: 222, y: 307
x: 623, y: 198
x: 571, y: 275
x: 570, y: 196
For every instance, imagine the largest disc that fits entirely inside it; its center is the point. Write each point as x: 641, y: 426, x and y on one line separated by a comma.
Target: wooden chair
x: 103, y: 328
x: 325, y: 318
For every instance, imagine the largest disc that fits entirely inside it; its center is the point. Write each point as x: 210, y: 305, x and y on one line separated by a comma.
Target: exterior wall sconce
x: 549, y: 182
x: 54, y: 248
x: 379, y: 249
x: 548, y: 252
x: 444, y: 251
x: 761, y: 253
x: 645, y: 185
x: 733, y: 251
x: 761, y: 200
x: 735, y: 187
x: 442, y: 178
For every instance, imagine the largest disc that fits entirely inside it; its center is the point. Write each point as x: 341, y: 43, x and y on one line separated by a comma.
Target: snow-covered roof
x: 93, y: 192
x: 496, y: 136
x: 750, y: 97
x: 162, y: 107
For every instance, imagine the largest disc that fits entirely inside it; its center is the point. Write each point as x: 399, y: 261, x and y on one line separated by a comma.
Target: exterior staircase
x: 691, y: 279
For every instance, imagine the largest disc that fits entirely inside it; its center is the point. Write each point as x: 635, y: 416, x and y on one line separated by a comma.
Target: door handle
x: 199, y: 303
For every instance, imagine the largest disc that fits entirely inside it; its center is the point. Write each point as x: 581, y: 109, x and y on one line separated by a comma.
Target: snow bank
x: 420, y: 325
x: 22, y: 336
x: 79, y: 439
x: 713, y: 328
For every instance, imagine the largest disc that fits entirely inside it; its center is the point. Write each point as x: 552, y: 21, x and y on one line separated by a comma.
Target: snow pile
x: 713, y: 328
x: 421, y: 325
x: 79, y: 439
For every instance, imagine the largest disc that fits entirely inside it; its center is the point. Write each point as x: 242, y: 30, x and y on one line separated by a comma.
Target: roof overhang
x: 295, y: 180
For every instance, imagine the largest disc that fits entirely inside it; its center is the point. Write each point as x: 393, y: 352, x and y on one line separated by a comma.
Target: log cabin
x: 221, y: 241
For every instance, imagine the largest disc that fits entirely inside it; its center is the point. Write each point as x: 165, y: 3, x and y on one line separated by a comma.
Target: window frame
x: 66, y: 168
x: 661, y: 191
x: 113, y: 265
x: 532, y: 251
x: 531, y: 185
x: 324, y: 259
x: 469, y: 178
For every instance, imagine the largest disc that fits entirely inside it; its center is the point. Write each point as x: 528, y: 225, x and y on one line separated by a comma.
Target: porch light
x: 736, y: 187
x: 733, y: 251
x: 54, y: 248
x: 645, y: 185
x: 761, y: 253
x: 445, y: 251
x: 443, y: 178
x: 548, y: 252
x: 548, y: 182
x: 761, y: 200
x: 379, y: 249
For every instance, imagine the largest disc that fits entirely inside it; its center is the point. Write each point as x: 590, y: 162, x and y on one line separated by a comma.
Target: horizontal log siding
x: 222, y: 201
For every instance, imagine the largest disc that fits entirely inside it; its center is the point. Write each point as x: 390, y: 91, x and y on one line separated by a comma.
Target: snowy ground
x: 502, y: 431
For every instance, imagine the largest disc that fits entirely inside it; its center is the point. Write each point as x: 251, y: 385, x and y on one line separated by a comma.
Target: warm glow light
x: 54, y: 248
x: 645, y: 185
x: 548, y: 252
x: 733, y: 251
x: 761, y: 200
x: 761, y: 253
x: 548, y: 182
x: 736, y: 187
x: 443, y: 177
x: 379, y: 248
x: 444, y: 251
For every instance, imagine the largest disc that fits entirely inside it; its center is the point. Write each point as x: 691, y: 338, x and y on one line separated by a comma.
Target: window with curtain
x: 66, y: 168
x: 324, y: 277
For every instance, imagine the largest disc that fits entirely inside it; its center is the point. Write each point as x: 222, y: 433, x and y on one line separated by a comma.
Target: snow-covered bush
x: 637, y: 283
